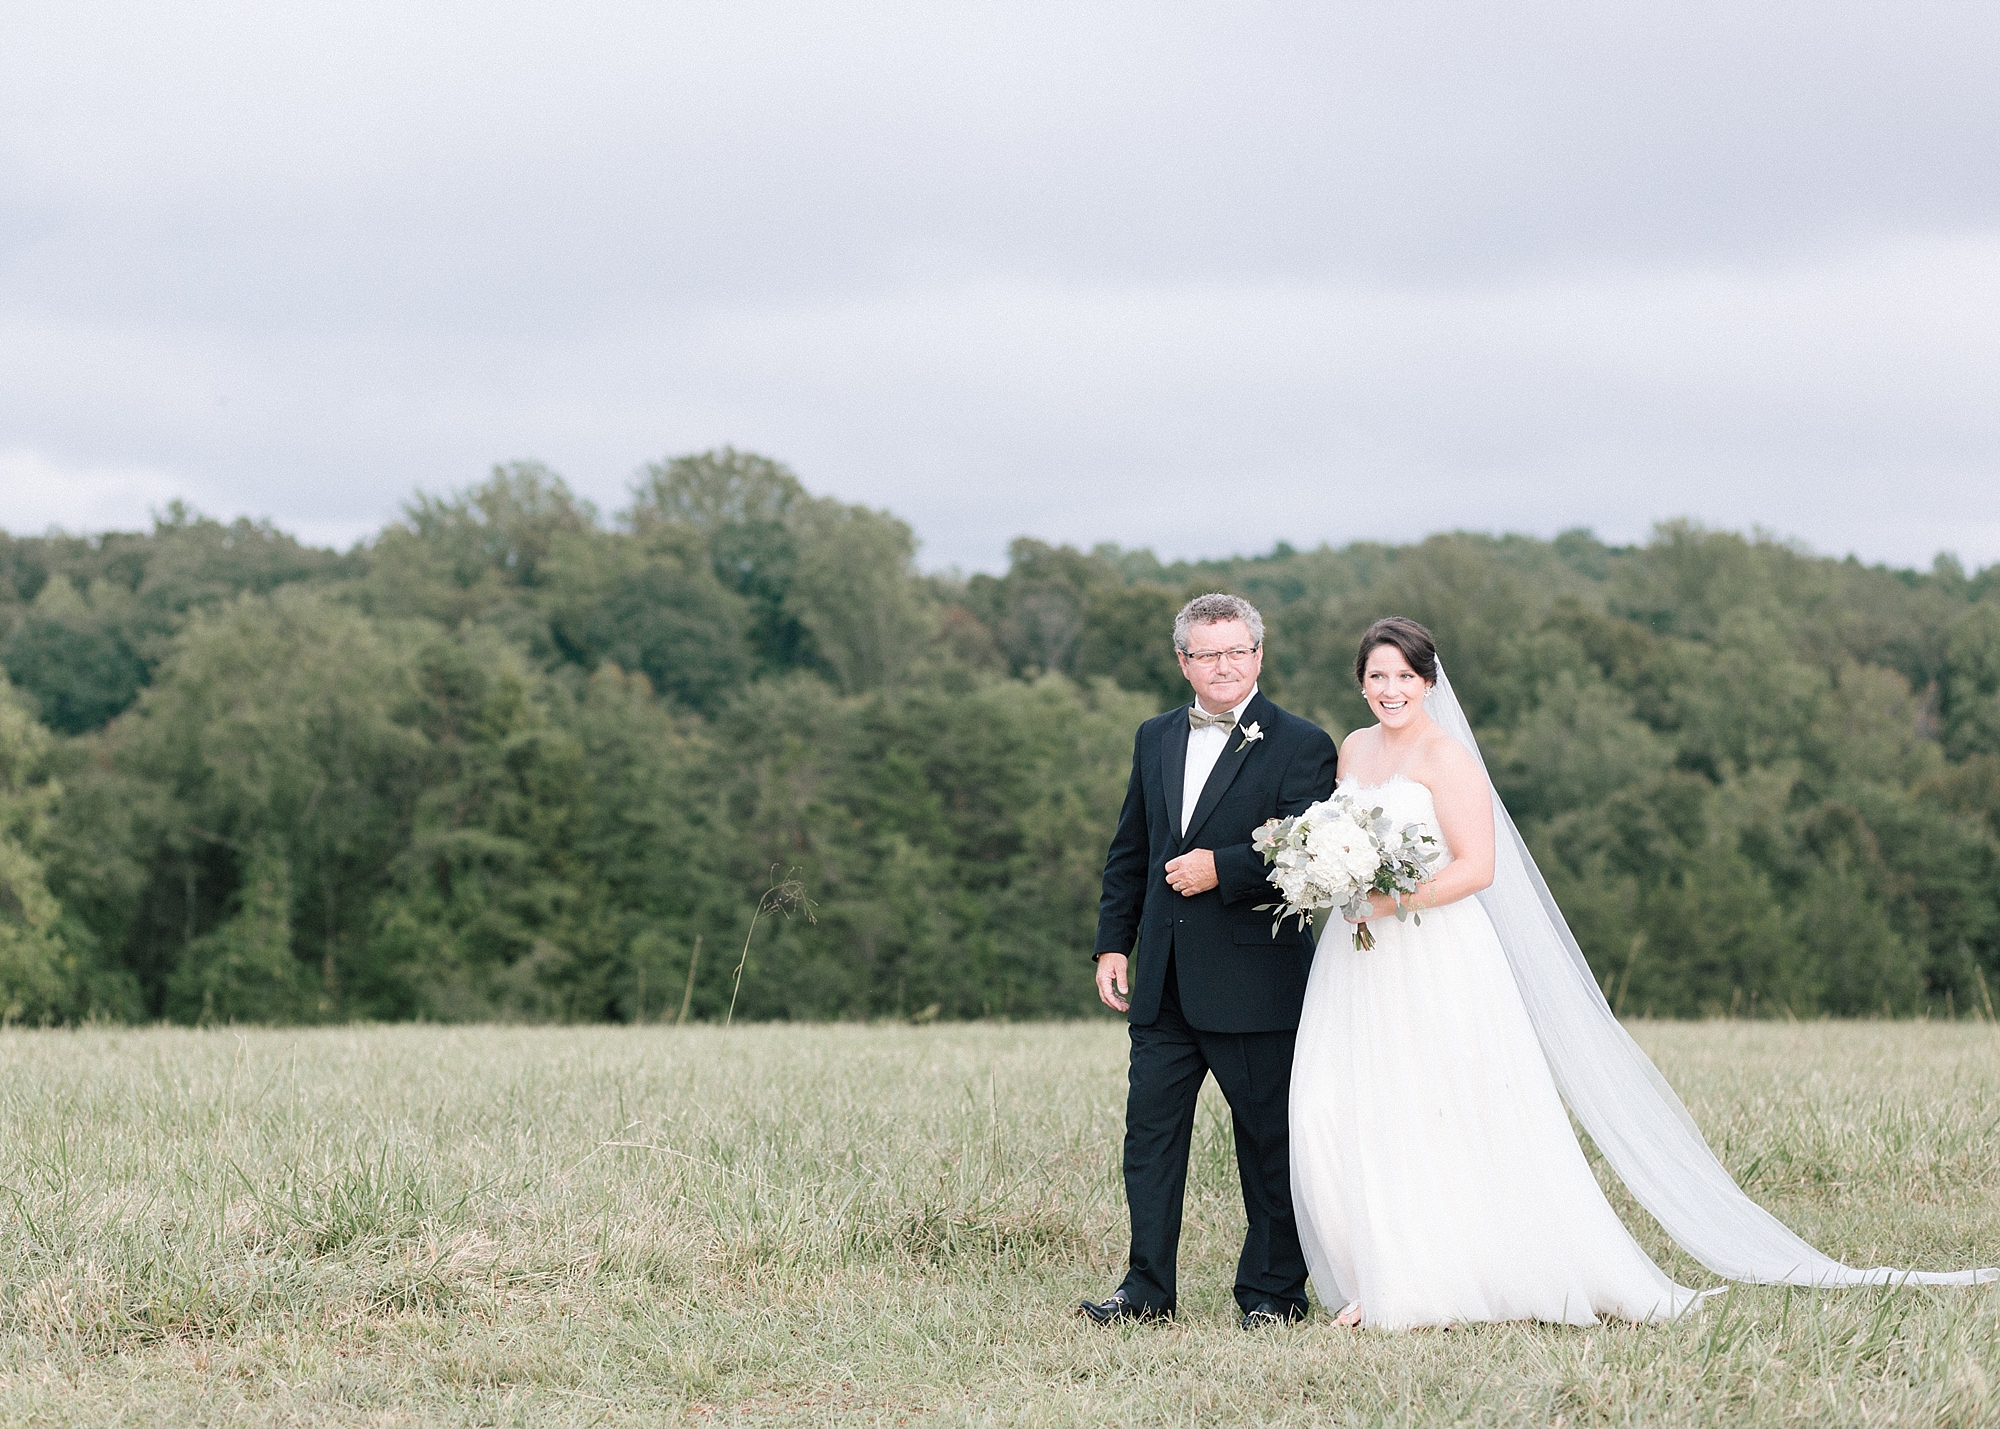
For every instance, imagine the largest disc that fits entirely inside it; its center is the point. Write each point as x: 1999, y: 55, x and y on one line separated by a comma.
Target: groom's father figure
x: 1212, y: 988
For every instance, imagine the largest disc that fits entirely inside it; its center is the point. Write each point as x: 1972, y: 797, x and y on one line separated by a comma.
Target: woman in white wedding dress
x: 1435, y: 1175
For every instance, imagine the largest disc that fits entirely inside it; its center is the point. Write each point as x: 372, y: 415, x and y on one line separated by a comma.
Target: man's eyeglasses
x: 1209, y: 659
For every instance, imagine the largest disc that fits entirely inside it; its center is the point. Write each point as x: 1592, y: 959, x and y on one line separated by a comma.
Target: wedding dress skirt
x: 1435, y: 1175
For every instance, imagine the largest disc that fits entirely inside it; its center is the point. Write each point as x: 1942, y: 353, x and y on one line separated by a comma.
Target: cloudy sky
x: 1200, y: 277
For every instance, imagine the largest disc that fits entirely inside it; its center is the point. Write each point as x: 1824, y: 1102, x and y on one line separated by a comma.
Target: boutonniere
x: 1251, y: 734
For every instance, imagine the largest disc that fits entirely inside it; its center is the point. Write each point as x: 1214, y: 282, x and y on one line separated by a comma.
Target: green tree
x: 1970, y: 691
x: 37, y: 969
x: 282, y: 771
x: 1577, y: 747
x: 74, y: 660
x: 653, y: 605
x: 854, y: 591
x: 485, y: 554
x: 1037, y: 610
x: 504, y: 761
x: 1128, y: 638
x: 952, y: 842
x: 98, y: 614
x: 245, y: 970
x: 1858, y: 959
x: 741, y: 506
x: 490, y: 911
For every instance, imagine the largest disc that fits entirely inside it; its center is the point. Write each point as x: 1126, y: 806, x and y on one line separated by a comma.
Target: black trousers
x: 1254, y: 1070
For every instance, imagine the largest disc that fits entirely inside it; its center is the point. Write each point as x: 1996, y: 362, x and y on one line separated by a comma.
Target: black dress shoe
x: 1266, y: 1313
x: 1105, y: 1312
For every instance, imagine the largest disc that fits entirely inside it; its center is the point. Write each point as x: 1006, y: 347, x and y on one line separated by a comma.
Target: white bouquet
x: 1335, y: 854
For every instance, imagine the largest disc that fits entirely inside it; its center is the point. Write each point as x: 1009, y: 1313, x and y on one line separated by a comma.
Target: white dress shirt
x: 1205, y: 746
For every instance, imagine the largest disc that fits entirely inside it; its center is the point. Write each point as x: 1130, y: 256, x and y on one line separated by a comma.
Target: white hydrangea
x: 1344, y: 847
x: 1334, y: 854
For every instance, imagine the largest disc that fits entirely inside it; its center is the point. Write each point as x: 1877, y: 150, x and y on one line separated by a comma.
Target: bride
x: 1435, y: 1176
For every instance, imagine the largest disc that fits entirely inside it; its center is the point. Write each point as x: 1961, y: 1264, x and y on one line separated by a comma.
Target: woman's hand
x: 1380, y: 905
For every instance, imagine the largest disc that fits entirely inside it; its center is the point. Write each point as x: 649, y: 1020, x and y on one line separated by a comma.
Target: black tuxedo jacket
x: 1234, y: 976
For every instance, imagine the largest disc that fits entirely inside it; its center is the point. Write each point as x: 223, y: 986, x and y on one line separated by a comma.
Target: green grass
x: 862, y: 1225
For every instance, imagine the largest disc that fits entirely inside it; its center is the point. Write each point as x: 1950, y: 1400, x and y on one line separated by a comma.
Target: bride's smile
x: 1395, y: 692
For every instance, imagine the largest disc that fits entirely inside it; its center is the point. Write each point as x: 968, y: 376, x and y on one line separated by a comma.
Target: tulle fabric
x: 1435, y: 1176
x: 1619, y: 1096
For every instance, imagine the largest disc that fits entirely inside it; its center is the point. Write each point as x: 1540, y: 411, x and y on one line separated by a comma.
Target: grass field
x: 867, y: 1225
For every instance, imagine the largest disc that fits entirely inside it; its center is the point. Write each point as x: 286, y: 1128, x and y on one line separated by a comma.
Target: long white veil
x: 1619, y: 1095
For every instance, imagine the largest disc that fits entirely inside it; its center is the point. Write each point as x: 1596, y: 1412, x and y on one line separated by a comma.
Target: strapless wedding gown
x: 1435, y: 1176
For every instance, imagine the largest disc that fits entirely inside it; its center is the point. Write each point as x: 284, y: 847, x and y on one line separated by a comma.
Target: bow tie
x: 1199, y: 718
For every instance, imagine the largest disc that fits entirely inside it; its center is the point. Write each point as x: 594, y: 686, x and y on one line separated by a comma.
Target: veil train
x: 1618, y: 1094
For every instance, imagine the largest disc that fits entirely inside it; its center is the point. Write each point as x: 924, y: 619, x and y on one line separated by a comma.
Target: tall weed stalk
x: 786, y: 896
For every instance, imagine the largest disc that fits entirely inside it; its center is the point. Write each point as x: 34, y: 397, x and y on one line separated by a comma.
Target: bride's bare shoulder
x: 1360, y: 743
x: 1447, y: 764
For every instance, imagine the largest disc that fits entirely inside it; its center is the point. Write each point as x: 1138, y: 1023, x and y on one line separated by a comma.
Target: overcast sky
x: 1194, y: 277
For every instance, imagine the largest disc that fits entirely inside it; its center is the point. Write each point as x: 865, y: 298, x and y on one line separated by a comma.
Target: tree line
x: 514, y: 759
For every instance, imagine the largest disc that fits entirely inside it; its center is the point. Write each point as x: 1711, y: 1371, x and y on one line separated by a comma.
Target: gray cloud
x: 1191, y: 277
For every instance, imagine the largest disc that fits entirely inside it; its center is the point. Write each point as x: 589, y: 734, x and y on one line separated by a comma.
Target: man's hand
x: 1192, y: 873
x: 1112, y: 989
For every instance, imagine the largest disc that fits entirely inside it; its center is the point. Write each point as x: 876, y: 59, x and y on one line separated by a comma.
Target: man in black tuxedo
x: 1214, y: 990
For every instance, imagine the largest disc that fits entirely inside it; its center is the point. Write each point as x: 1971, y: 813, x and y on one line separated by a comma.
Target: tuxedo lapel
x: 1173, y: 772
x: 1234, y: 753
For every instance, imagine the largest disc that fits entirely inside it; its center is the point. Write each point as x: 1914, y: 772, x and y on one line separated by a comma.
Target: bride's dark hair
x: 1407, y: 636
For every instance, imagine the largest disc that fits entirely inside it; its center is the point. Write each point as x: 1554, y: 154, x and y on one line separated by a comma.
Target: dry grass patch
x: 871, y: 1225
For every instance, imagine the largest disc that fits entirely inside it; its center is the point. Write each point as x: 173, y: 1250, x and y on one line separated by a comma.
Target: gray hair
x: 1213, y: 609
